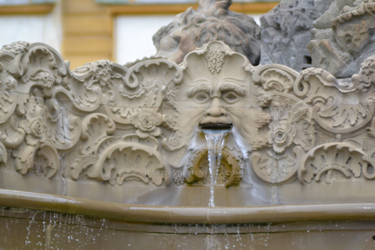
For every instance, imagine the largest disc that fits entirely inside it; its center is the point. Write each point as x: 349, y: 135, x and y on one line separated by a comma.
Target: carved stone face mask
x: 211, y: 93
x: 219, y: 97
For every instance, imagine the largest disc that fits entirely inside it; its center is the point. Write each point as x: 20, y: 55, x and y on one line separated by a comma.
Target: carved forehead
x: 216, y: 63
x: 222, y: 85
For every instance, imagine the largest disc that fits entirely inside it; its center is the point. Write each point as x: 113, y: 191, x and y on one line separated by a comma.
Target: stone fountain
x: 200, y: 146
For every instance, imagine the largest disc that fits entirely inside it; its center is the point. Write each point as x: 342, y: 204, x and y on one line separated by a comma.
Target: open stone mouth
x: 216, y: 126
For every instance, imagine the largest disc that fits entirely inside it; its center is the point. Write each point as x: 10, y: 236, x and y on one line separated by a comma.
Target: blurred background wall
x: 89, y: 30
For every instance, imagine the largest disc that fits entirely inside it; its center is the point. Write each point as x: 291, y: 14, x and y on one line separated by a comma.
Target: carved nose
x: 215, y: 109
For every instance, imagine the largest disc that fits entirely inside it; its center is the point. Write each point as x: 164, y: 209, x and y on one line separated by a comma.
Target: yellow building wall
x: 87, y: 32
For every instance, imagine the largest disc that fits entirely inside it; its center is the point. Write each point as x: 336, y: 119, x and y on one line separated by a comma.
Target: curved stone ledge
x: 187, y: 215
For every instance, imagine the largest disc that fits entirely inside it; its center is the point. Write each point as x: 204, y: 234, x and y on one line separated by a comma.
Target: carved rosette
x: 290, y: 131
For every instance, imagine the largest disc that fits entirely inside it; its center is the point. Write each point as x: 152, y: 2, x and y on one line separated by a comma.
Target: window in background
x: 24, y: 2
x: 134, y: 36
x: 44, y: 28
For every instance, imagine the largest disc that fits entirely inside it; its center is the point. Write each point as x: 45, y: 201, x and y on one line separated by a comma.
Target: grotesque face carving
x: 353, y: 36
x: 219, y: 98
x: 216, y: 92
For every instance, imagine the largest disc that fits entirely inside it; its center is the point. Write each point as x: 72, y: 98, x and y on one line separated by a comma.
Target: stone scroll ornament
x: 108, y: 123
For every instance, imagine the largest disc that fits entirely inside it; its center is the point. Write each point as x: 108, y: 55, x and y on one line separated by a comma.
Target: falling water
x: 215, y: 143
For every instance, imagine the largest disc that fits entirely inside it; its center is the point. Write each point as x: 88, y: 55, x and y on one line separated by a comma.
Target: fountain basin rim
x: 135, y: 213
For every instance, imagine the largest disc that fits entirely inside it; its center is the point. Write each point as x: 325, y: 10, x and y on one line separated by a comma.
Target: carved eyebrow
x: 233, y: 87
x: 198, y: 88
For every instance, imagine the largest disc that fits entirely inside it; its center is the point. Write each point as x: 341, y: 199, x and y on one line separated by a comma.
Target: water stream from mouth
x: 215, y: 143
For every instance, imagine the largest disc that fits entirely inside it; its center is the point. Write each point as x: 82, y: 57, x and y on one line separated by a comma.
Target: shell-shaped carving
x: 333, y: 161
x: 129, y: 161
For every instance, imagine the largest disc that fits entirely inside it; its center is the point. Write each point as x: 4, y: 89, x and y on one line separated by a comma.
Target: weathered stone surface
x: 132, y: 141
x: 336, y: 35
x: 286, y: 31
x: 212, y: 21
x: 344, y: 37
x: 140, y: 126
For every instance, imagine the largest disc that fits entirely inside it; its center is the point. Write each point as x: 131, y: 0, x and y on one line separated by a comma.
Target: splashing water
x: 241, y: 145
x: 257, y: 192
x: 215, y: 143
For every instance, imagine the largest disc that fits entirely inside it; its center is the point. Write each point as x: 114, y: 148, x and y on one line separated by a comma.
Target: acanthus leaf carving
x: 41, y: 67
x: 8, y: 84
x: 275, y: 77
x: 142, y: 87
x: 334, y: 110
x: 336, y: 115
x: 96, y: 130
x: 311, y: 79
x: 26, y: 155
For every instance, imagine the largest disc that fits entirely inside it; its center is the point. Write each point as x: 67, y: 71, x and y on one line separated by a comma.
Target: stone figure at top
x: 343, y: 37
x: 212, y: 21
x: 286, y: 31
x: 336, y: 35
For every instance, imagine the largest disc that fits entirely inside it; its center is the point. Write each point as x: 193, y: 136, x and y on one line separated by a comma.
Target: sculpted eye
x: 201, y: 97
x: 230, y: 97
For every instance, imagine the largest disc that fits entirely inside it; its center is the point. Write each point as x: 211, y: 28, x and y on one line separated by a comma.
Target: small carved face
x: 219, y: 101
x: 352, y: 37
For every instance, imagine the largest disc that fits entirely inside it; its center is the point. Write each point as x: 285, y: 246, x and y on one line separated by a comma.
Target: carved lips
x: 216, y: 123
